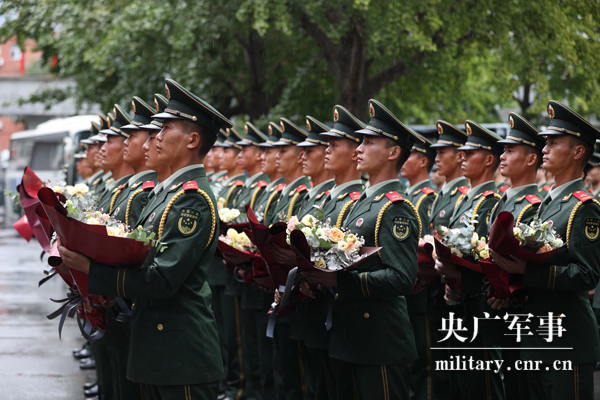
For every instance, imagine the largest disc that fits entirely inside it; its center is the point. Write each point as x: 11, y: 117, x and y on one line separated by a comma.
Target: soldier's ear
x: 193, y: 140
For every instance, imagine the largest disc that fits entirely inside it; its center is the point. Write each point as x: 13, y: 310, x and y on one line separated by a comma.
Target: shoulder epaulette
x: 262, y: 183
x: 175, y: 186
x: 301, y: 188
x: 239, y: 183
x: 582, y: 196
x: 341, y: 196
x: 280, y: 187
x: 148, y: 185
x: 394, y: 197
x: 502, y: 189
x: 355, y: 195
x: 427, y: 190
x: 190, y: 185
x: 488, y: 193
x: 463, y: 189
x: 136, y: 185
x: 533, y: 199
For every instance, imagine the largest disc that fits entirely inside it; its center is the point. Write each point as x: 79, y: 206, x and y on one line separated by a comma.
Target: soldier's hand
x: 446, y: 268
x: 235, y: 259
x: 278, y: 296
x: 326, y: 278
x: 305, y: 289
x: 497, y: 304
x: 74, y: 260
x: 282, y: 256
x: 511, y: 265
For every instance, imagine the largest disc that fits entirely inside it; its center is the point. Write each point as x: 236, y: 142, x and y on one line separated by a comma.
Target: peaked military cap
x: 253, y: 137
x: 385, y: 124
x: 160, y: 103
x: 291, y: 134
x: 449, y: 135
x: 232, y: 138
x: 274, y: 135
x: 564, y: 121
x: 120, y: 119
x: 345, y: 125
x: 94, y: 129
x: 595, y: 160
x: 481, y: 138
x: 142, y: 114
x: 315, y: 128
x: 100, y: 136
x: 183, y: 104
x: 424, y: 148
x: 221, y: 138
x: 522, y: 132
x: 79, y: 155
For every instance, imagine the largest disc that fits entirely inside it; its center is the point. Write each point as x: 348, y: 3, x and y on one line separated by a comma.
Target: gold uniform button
x: 366, y: 315
x: 337, y: 295
x: 159, y: 327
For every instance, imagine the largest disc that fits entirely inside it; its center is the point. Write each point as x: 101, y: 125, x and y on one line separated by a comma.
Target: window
x: 15, y: 52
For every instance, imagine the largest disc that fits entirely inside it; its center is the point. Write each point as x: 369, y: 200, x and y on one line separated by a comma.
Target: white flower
x: 456, y: 251
x: 308, y: 220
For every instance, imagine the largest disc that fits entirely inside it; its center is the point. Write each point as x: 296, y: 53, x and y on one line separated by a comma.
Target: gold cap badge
x: 270, y: 130
x: 550, y: 111
x: 469, y: 130
x: 133, y: 106
x: 282, y: 127
x: 167, y: 92
x: 371, y: 110
x: 336, y: 116
x: 511, y: 121
x: 115, y: 113
x: 156, y: 105
x: 246, y: 129
x: 307, y: 125
x: 440, y: 129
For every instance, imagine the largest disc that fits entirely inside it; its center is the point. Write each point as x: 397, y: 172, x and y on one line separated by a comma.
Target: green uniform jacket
x: 173, y: 329
x: 370, y: 320
x: 309, y: 322
x: 444, y: 204
x: 265, y: 205
x: 132, y: 199
x: 290, y: 200
x: 232, y: 188
x: 523, y: 206
x: 100, y: 187
x: 422, y: 196
x: 314, y: 198
x: 217, y: 182
x: 251, y: 192
x: 93, y: 180
x: 543, y: 189
x: 217, y: 275
x: 109, y: 193
x: 561, y: 285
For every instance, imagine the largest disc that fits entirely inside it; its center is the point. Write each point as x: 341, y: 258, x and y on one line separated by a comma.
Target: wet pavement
x: 34, y: 363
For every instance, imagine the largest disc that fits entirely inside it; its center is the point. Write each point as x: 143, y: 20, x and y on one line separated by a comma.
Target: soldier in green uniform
x: 313, y: 165
x: 416, y: 170
x: 176, y: 346
x: 113, y: 150
x: 127, y: 202
x: 520, y: 161
x: 250, y: 161
x: 371, y: 333
x: 481, y: 160
x: 90, y: 154
x: 594, y: 175
x: 448, y: 162
x: 340, y: 160
x: 100, y: 138
x: 545, y: 187
x: 559, y: 295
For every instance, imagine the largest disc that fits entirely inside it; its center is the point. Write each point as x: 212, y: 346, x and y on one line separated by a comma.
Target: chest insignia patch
x: 592, y: 228
x: 188, y: 221
x: 442, y: 213
x: 359, y: 222
x: 151, y: 218
x: 117, y: 211
x: 401, y: 228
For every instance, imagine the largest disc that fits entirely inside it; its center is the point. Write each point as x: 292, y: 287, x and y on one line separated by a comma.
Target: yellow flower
x: 112, y: 231
x: 232, y: 233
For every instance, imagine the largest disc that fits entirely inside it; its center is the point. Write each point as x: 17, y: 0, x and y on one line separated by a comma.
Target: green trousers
x: 288, y: 365
x: 103, y: 372
x: 205, y: 391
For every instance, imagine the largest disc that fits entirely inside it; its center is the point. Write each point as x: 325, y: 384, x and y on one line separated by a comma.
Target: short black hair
x: 404, y: 153
x: 207, y: 138
x: 538, y: 153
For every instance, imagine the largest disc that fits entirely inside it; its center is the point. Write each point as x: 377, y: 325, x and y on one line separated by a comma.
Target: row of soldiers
x: 198, y: 331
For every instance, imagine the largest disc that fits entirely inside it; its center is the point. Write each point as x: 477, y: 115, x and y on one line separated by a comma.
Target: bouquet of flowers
x: 535, y: 242
x: 464, y: 242
x: 238, y: 241
x: 538, y: 237
x: 326, y: 247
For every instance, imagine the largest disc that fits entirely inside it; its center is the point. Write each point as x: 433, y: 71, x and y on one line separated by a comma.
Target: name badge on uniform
x: 117, y: 211
x: 442, y: 213
x: 359, y: 222
x: 151, y: 218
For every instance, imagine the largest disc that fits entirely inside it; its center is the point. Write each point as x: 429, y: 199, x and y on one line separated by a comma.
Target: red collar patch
x: 582, y: 196
x: 394, y: 197
x: 280, y: 187
x: 354, y: 195
x: 148, y: 185
x: 262, y: 183
x: 463, y: 189
x: 547, y: 188
x: 533, y: 199
x: 502, y: 189
x: 190, y: 185
x: 121, y: 187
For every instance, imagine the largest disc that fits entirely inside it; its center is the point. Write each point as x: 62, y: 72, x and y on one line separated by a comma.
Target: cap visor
x: 509, y: 141
x: 550, y: 132
x: 151, y: 126
x: 113, y: 133
x: 244, y: 143
x: 105, y: 131
x: 368, y: 132
x: 442, y: 145
x: 165, y: 115
x: 87, y: 141
x: 130, y: 126
x: 331, y: 134
x: 282, y: 143
x: 467, y: 147
x: 98, y: 138
x: 265, y: 144
x: 307, y: 144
